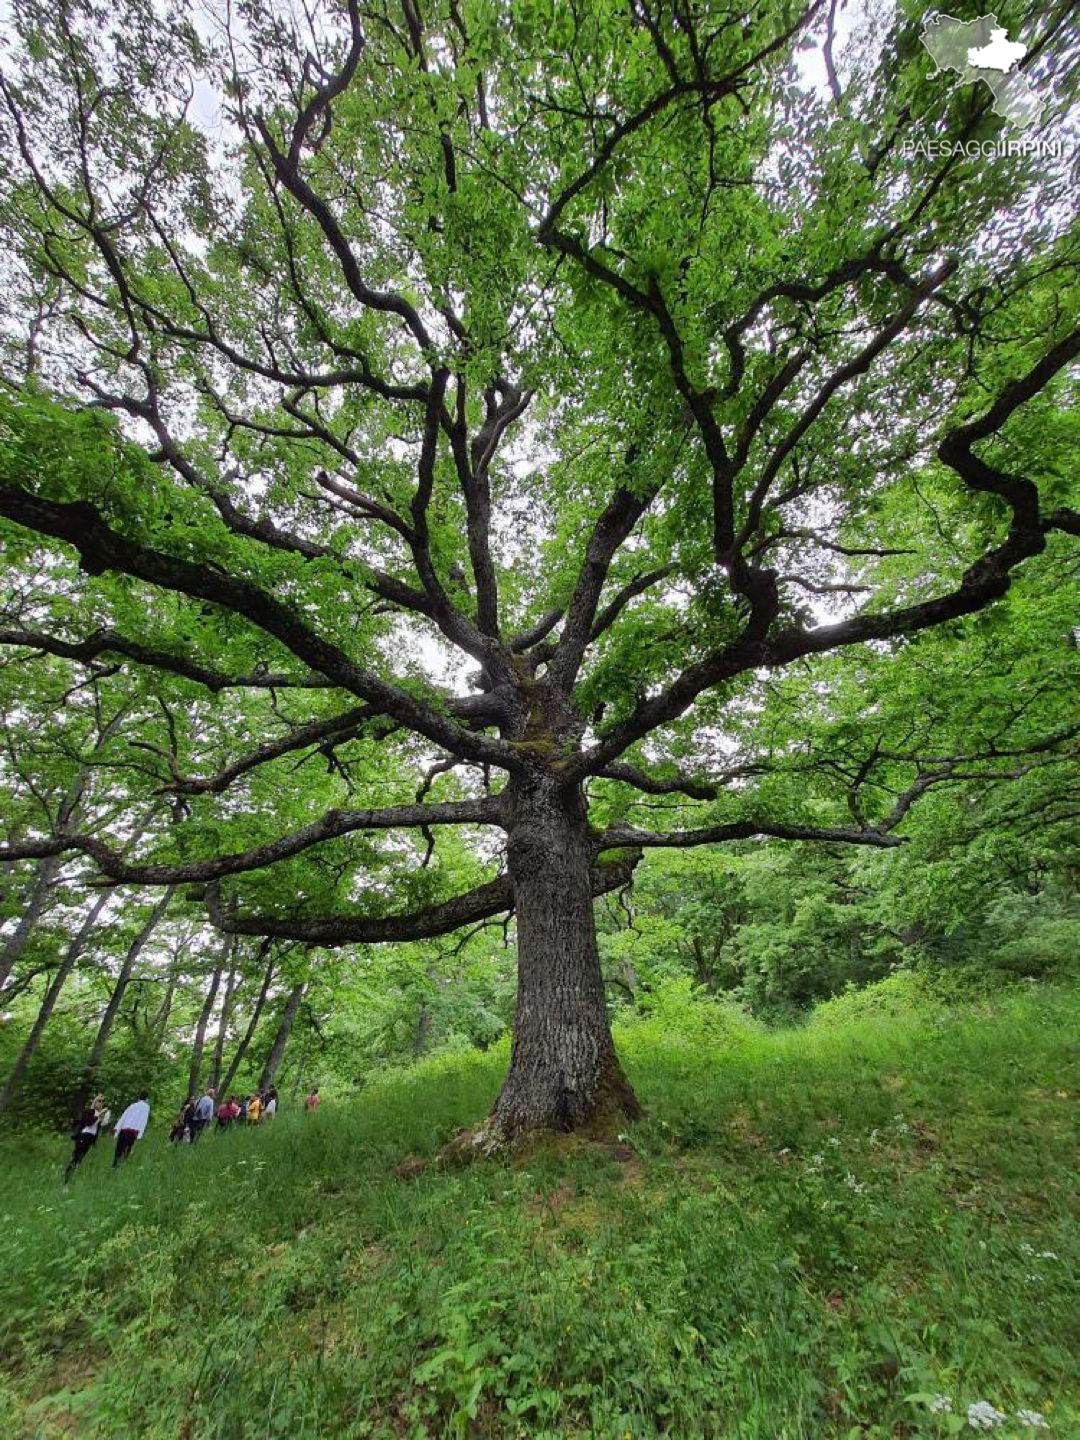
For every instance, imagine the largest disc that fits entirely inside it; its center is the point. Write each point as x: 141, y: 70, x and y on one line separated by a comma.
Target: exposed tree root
x: 497, y: 1137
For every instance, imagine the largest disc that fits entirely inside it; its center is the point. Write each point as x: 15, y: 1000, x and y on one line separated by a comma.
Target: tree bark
x: 204, y: 1019
x: 112, y: 1009
x: 299, y: 1076
x: 52, y: 994
x: 161, y: 1019
x: 16, y: 942
x: 281, y: 1038
x: 564, y: 1073
x: 423, y: 1025
x: 231, y: 987
x: 49, y: 869
x: 241, y: 1049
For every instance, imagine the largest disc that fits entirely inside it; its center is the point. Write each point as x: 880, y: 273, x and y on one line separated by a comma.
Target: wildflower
x: 982, y: 1416
x: 1032, y: 1419
x: 941, y: 1405
x: 785, y: 1151
x: 833, y: 1140
x: 817, y: 1160
x: 853, y: 1184
x: 1033, y: 1279
x: 1046, y: 1255
x: 873, y: 1136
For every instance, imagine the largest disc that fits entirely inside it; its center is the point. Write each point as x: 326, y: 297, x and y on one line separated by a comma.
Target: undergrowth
x: 858, y: 1228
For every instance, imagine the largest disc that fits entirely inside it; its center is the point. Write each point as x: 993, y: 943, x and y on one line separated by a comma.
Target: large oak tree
x: 501, y: 394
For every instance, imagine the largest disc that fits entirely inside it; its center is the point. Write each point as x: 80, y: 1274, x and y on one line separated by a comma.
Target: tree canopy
x: 429, y: 428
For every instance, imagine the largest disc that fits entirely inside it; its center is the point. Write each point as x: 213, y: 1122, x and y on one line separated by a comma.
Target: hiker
x: 176, y: 1131
x: 254, y: 1109
x: 130, y: 1127
x: 204, y: 1113
x: 270, y: 1108
x: 227, y: 1112
x: 87, y: 1129
x: 187, y: 1115
x: 312, y: 1100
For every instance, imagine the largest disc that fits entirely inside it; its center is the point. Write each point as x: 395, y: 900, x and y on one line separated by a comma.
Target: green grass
x: 815, y: 1226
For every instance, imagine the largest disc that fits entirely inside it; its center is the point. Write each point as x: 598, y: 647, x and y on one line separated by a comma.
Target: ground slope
x: 815, y: 1233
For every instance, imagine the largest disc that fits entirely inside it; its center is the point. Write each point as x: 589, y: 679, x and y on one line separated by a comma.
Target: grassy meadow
x: 857, y: 1228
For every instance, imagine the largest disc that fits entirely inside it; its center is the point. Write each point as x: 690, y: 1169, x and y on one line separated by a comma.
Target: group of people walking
x: 94, y: 1121
x: 196, y: 1115
x: 192, y: 1120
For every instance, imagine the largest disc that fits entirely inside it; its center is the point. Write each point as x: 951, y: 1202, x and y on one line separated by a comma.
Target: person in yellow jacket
x: 254, y: 1109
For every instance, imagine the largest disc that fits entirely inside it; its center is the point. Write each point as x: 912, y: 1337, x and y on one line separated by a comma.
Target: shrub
x: 676, y: 1011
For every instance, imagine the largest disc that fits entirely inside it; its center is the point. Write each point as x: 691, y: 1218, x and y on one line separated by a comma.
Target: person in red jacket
x: 227, y: 1113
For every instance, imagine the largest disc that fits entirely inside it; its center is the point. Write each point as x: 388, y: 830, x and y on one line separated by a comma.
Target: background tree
x: 506, y: 397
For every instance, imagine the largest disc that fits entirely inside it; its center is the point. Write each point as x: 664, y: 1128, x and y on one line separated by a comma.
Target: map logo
x: 981, y: 50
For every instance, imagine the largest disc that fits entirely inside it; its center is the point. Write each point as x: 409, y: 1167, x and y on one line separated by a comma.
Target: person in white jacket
x: 130, y: 1127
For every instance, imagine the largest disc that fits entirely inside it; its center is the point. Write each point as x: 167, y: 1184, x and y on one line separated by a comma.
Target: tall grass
x: 814, y: 1233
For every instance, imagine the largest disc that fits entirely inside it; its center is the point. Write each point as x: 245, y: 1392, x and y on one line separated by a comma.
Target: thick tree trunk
x: 564, y: 1073
x: 52, y: 994
x: 281, y: 1038
x: 241, y: 1049
x: 134, y: 950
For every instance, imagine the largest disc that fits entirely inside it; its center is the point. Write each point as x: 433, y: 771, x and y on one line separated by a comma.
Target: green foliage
x: 908, y: 993
x: 133, y: 1062
x: 676, y: 1015
x: 986, y: 881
